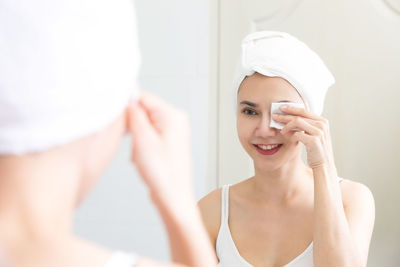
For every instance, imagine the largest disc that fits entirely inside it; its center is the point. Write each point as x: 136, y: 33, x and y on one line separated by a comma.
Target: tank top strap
x: 225, y: 203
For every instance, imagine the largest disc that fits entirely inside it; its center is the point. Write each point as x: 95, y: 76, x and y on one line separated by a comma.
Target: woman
x: 289, y: 213
x: 67, y: 74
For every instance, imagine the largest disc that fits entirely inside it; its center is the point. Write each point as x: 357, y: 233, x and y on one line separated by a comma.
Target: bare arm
x: 340, y: 238
x: 210, y: 209
x: 161, y: 152
x: 188, y: 239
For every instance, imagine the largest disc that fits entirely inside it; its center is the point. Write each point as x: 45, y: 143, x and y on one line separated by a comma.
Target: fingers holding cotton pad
x: 275, y: 109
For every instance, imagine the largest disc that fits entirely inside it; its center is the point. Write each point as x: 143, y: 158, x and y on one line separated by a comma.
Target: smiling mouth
x: 268, y: 149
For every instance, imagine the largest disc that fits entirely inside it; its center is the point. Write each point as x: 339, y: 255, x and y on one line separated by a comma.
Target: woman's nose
x: 263, y: 129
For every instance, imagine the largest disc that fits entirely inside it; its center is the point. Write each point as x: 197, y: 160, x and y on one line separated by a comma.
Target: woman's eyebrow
x: 284, y: 101
x: 251, y: 104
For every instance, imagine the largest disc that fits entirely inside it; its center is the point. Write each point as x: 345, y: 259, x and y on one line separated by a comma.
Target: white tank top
x: 122, y: 259
x: 227, y: 252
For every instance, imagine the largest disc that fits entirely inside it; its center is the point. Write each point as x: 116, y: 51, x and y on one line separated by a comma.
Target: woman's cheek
x: 244, y: 130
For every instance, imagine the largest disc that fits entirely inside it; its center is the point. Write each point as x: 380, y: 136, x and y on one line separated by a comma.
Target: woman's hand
x: 311, y: 130
x: 161, y: 151
x: 340, y: 237
x: 160, y: 135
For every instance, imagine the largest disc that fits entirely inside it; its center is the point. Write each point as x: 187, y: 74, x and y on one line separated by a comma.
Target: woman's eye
x: 249, y: 112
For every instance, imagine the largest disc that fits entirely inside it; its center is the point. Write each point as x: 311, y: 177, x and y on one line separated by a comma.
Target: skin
x: 40, y: 192
x: 288, y: 204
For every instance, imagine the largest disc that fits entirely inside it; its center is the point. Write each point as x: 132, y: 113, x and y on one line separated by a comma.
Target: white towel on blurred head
x: 67, y: 69
x: 278, y: 54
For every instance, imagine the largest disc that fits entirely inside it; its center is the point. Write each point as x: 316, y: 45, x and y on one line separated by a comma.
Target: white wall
x: 174, y: 44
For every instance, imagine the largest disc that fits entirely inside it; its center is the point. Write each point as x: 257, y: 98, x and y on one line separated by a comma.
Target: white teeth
x: 267, y: 147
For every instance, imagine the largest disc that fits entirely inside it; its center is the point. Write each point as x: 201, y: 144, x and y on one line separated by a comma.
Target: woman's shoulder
x: 211, y: 203
x: 210, y: 209
x: 355, y: 194
x: 210, y: 206
x: 209, y: 200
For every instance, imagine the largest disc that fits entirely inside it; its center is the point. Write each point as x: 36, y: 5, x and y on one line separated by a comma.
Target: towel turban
x: 67, y: 69
x: 278, y: 54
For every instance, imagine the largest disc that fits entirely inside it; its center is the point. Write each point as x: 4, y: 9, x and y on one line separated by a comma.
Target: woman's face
x: 266, y: 146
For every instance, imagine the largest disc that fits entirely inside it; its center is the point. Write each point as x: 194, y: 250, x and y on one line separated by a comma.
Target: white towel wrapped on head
x: 67, y: 69
x: 278, y: 54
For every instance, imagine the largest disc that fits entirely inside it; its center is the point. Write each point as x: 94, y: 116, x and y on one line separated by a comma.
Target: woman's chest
x: 271, y: 238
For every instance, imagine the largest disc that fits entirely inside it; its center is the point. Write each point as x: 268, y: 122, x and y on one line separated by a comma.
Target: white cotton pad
x: 275, y: 109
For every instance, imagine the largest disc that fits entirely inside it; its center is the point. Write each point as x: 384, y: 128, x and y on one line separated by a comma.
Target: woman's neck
x: 37, y: 196
x: 282, y: 185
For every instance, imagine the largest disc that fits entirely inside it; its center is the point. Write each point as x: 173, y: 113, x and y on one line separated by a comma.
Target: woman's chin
x: 267, y: 164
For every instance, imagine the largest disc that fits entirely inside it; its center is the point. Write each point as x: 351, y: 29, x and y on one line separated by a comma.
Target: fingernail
x: 284, y: 107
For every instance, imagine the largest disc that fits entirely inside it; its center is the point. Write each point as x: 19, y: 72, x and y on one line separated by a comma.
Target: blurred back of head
x: 67, y: 70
